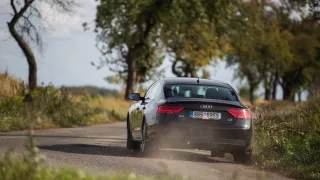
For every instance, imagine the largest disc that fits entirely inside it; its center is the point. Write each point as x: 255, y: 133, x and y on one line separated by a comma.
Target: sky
x: 68, y: 51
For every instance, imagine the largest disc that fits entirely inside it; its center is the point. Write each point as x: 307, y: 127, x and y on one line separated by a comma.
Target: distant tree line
x: 91, y: 90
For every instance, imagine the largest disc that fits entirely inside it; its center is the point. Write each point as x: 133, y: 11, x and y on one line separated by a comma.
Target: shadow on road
x: 122, y: 151
x: 57, y: 136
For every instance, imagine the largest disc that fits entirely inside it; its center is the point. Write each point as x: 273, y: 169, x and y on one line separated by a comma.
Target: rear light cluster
x: 236, y: 113
x: 240, y: 113
x: 169, y: 109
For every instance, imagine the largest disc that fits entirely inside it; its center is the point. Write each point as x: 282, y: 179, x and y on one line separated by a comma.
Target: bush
x: 53, y: 107
x: 290, y: 140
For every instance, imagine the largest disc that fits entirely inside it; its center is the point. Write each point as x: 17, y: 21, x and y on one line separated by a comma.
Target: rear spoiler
x: 178, y: 99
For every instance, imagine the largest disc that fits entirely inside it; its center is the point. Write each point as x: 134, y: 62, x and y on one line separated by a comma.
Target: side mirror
x: 135, y: 97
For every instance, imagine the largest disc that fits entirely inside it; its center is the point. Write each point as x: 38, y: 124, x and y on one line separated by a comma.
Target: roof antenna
x: 198, y: 81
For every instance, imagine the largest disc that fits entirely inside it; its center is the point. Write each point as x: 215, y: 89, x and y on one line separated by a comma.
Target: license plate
x: 205, y: 115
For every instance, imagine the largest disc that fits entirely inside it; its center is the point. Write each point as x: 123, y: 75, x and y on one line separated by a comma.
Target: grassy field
x: 54, y: 107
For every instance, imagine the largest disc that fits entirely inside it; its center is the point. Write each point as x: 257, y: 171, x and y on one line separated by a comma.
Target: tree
x: 274, y: 52
x: 245, y: 30
x: 25, y: 32
x: 195, y: 44
x: 304, y: 45
x: 191, y: 49
x: 127, y: 36
x: 129, y: 33
x: 313, y: 6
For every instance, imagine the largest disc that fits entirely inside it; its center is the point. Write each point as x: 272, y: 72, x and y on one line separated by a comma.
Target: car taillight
x: 240, y: 113
x: 169, y: 109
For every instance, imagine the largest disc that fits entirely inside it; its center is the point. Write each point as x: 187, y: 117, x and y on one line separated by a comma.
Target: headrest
x: 212, y: 93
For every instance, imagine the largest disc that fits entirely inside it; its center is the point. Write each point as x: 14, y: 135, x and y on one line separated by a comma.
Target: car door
x: 150, y: 105
x: 139, y: 114
x: 133, y: 115
x: 148, y: 108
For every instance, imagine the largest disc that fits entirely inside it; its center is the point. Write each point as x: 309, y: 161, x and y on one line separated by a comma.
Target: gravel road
x: 101, y: 148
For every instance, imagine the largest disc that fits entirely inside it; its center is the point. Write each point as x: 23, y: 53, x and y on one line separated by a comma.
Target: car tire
x: 243, y: 157
x: 132, y: 145
x: 146, y: 147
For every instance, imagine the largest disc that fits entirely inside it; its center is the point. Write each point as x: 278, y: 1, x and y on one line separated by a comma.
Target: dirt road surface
x: 100, y: 149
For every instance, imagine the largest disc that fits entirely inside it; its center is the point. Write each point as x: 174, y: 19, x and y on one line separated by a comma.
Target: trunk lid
x: 208, y: 111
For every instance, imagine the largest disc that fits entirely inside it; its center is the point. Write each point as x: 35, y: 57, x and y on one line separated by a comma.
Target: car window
x: 152, y: 91
x: 156, y: 90
x: 148, y: 93
x: 201, y: 91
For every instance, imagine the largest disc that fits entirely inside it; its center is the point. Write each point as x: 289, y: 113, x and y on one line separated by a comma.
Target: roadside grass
x: 287, y: 138
x: 55, y: 107
x: 14, y: 168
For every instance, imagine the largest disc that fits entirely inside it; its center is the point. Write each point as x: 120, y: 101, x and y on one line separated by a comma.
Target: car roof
x: 186, y: 80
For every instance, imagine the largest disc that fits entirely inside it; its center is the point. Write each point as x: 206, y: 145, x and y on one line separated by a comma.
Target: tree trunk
x: 267, y: 92
x: 132, y: 76
x: 268, y: 81
x: 193, y: 74
x: 274, y: 86
x: 288, y: 95
x: 299, y: 96
x: 32, y: 78
x: 251, y: 93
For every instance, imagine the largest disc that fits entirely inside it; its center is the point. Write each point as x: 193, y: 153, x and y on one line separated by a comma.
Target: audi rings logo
x: 205, y: 106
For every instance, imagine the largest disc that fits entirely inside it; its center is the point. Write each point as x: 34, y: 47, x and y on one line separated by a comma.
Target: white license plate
x: 205, y: 115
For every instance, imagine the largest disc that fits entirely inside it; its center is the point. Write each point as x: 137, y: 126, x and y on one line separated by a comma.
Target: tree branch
x: 13, y: 7
x: 18, y: 15
x: 28, y: 27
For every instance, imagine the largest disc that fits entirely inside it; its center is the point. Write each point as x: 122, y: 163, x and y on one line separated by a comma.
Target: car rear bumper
x: 201, y: 136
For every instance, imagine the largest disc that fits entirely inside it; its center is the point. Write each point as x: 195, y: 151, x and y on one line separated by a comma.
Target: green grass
x: 289, y: 140
x: 52, y: 107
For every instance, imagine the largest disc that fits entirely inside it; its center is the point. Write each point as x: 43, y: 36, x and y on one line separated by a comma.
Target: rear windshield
x: 200, y: 91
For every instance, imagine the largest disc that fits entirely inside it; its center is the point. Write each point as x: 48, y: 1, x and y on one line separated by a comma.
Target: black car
x: 191, y: 113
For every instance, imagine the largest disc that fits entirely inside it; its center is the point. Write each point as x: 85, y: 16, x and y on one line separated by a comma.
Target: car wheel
x: 131, y: 143
x: 243, y: 157
x: 144, y: 138
x: 146, y: 147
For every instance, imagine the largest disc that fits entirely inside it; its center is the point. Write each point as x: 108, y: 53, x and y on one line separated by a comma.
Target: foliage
x: 55, y: 107
x: 127, y: 38
x: 194, y: 42
x: 133, y: 36
x: 244, y: 93
x: 289, y: 139
x: 191, y: 49
x: 303, y: 37
x: 275, y: 49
